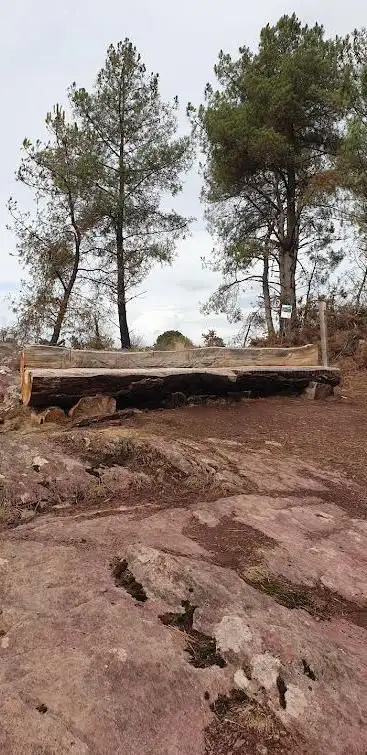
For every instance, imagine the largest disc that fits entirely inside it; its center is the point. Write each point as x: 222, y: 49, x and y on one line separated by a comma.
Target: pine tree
x: 141, y: 160
x: 270, y: 133
x: 58, y: 234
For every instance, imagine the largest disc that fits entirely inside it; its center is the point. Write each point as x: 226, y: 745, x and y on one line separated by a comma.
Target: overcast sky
x: 45, y: 46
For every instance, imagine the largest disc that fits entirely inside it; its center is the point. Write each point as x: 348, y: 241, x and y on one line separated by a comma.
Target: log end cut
x: 26, y: 386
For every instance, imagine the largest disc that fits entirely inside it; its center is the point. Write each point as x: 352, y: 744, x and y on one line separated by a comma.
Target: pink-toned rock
x: 54, y: 414
x: 276, y: 566
x: 110, y: 673
x: 93, y: 406
x: 316, y: 391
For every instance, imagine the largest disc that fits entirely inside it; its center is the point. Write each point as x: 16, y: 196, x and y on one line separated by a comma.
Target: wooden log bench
x: 64, y: 387
x: 54, y: 357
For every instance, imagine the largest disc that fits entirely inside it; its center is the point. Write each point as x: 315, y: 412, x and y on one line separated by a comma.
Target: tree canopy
x: 140, y: 158
x: 102, y: 187
x: 270, y: 132
x: 172, y: 340
x: 57, y: 238
x: 211, y: 338
x: 283, y: 136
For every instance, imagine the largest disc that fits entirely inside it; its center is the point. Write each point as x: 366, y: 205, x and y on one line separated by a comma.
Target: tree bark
x: 121, y: 283
x: 59, y: 320
x: 288, y: 256
x: 287, y: 269
x: 266, y: 296
x: 68, y: 289
x: 121, y: 290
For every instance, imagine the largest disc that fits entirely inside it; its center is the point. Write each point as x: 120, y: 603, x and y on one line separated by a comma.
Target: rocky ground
x: 188, y: 581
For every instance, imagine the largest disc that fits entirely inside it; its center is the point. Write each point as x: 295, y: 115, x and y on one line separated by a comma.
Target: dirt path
x: 332, y: 432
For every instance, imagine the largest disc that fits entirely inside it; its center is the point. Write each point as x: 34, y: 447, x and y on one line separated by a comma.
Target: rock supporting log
x: 93, y: 406
x: 54, y: 414
x: 317, y: 391
x: 150, y: 387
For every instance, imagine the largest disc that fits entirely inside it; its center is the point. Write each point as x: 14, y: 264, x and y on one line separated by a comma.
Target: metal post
x: 323, y: 332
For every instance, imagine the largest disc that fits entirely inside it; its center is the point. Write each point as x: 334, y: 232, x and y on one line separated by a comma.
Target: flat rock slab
x: 278, y: 577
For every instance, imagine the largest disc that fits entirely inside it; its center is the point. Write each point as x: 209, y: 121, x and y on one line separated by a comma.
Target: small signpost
x: 285, y: 317
x: 286, y: 312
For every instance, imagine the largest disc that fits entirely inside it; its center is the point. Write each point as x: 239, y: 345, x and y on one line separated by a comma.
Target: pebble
x: 38, y: 462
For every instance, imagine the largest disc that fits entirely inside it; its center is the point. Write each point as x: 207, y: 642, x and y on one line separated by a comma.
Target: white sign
x: 286, y: 312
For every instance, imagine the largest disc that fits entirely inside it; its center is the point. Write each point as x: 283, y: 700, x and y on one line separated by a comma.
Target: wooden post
x: 323, y: 331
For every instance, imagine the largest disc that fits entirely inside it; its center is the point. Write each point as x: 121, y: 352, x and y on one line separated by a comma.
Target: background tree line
x: 283, y: 139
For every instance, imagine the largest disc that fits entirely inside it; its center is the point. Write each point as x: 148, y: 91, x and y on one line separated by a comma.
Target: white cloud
x: 174, y: 296
x: 46, y: 46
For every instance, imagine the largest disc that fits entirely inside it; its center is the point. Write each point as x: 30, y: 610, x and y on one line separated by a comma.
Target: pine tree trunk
x: 266, y: 296
x: 288, y: 257
x: 59, y: 320
x: 287, y: 269
x: 68, y: 290
x: 121, y: 291
x: 121, y: 286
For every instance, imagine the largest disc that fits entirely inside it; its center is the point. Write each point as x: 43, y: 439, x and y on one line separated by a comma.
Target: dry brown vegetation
x: 346, y: 324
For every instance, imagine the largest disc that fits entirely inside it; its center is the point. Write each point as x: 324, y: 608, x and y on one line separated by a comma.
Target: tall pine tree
x: 57, y: 236
x: 141, y: 160
x: 270, y: 133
